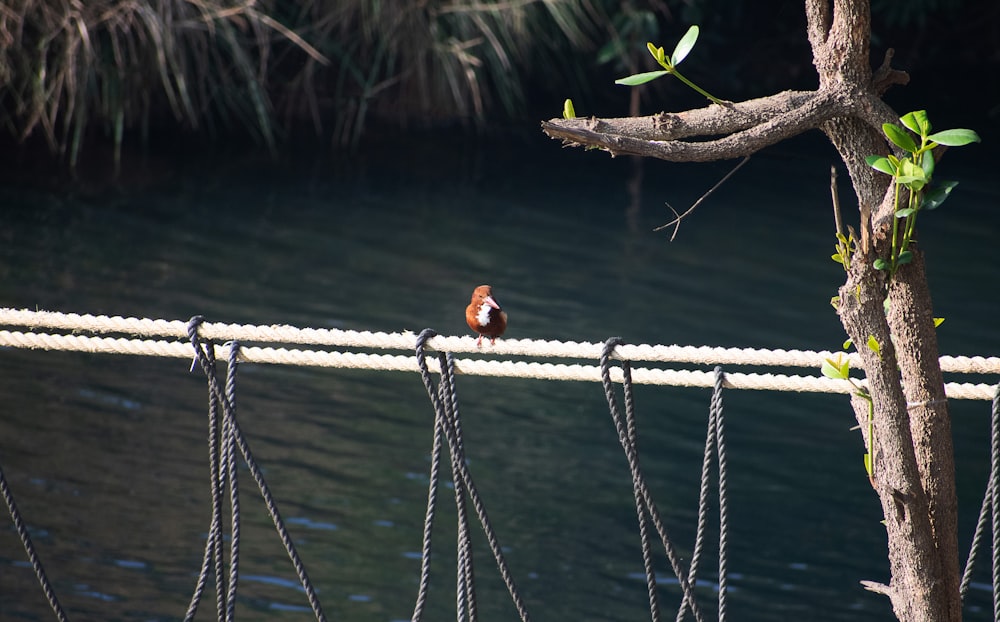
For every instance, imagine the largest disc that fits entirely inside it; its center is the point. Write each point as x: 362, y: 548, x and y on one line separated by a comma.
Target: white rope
x: 404, y: 341
x: 475, y: 367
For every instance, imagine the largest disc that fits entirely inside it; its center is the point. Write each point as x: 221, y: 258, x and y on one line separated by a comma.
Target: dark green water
x: 107, y: 457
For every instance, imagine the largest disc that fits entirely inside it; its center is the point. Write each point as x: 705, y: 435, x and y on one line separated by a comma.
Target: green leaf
x: 568, y: 111
x: 874, y: 345
x: 683, y: 47
x: 880, y: 264
x: 899, y: 137
x: 938, y: 321
x: 641, y: 78
x: 906, y: 211
x: 911, y: 175
x: 868, y: 463
x: 848, y: 343
x: 881, y: 163
x: 658, y: 54
x: 904, y: 258
x: 917, y: 122
x: 955, y: 138
x: 938, y: 193
x: 831, y: 371
x: 927, y: 163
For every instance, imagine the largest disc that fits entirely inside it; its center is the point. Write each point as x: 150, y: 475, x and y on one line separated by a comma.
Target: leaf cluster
x: 912, y: 171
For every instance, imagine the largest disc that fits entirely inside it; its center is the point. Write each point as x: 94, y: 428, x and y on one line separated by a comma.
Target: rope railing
x: 148, y: 329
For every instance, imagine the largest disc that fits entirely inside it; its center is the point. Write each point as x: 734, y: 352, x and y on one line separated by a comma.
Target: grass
x: 72, y: 69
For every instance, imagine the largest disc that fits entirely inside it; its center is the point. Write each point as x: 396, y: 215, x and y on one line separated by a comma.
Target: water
x: 106, y: 454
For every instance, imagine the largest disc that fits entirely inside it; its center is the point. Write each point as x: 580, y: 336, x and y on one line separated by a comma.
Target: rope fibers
x: 988, y: 512
x: 447, y: 424
x: 279, y: 334
x: 403, y: 341
x: 29, y: 548
x: 646, y: 509
x: 226, y: 438
x: 222, y: 467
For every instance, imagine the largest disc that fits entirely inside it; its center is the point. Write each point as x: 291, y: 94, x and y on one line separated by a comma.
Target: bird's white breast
x: 483, y: 317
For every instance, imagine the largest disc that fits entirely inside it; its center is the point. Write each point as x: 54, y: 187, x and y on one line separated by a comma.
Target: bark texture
x: 914, y: 462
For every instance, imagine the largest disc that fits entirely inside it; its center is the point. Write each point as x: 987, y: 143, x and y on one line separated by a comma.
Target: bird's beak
x: 493, y: 303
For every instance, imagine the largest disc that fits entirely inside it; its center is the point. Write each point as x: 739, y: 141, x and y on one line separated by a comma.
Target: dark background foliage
x: 106, y: 75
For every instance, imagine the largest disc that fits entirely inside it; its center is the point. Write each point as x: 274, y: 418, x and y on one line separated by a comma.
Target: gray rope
x: 446, y: 416
x: 466, y: 601
x: 720, y: 443
x: 213, y: 460
x: 229, y: 464
x: 699, y: 541
x: 29, y: 548
x: 988, y: 507
x: 994, y: 501
x: 984, y: 517
x: 204, y: 356
x: 647, y: 549
x: 425, y: 556
x: 985, y: 508
x: 643, y: 498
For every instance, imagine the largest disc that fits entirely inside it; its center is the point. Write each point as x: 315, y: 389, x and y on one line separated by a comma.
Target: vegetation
x: 121, y: 66
x: 120, y: 70
x: 885, y: 302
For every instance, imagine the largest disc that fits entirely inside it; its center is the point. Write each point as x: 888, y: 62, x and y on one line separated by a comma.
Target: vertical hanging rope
x: 643, y: 498
x: 204, y: 356
x: 987, y: 505
x: 207, y: 358
x: 446, y: 412
x: 994, y: 501
x: 720, y: 443
x: 228, y: 463
x: 647, y: 552
x: 699, y: 541
x: 29, y: 548
x: 465, y: 588
x: 425, y: 550
x: 714, y: 438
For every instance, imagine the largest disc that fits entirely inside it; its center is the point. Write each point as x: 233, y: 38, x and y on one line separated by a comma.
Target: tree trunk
x: 913, y: 465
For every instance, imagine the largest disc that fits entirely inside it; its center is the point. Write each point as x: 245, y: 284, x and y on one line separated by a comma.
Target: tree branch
x: 773, y: 124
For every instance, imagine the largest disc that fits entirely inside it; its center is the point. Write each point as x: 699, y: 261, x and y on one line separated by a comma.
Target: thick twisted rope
x: 985, y: 508
x: 29, y: 548
x: 714, y: 440
x: 444, y: 400
x: 720, y: 446
x: 475, y: 367
x: 995, y: 502
x: 213, y: 542
x: 204, y: 356
x: 403, y: 341
x: 228, y: 464
x: 643, y: 498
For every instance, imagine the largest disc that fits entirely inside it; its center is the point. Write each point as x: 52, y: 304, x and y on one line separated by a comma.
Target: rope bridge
x: 198, y: 338
x: 146, y: 338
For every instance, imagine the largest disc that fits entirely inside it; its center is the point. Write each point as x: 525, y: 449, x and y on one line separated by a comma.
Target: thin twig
x: 676, y: 222
x: 836, y: 200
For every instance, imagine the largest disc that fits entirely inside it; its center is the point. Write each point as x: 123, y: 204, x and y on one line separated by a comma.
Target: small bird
x: 484, y: 316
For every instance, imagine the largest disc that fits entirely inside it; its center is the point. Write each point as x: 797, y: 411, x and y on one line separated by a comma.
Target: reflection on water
x: 106, y: 454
